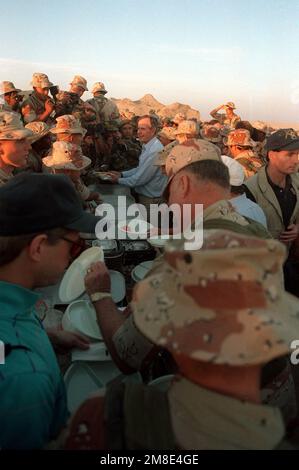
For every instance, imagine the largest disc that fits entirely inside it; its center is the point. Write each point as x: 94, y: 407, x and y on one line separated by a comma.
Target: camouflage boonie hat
x: 79, y: 81
x: 66, y: 156
x: 7, y: 87
x: 12, y: 128
x: 222, y: 304
x: 187, y: 127
x: 283, y: 139
x: 192, y: 150
x: 99, y: 86
x: 179, y: 117
x: 211, y: 134
x: 231, y: 105
x: 163, y: 154
x: 68, y: 124
x: 41, y: 80
x: 241, y: 138
x: 260, y: 126
x: 39, y: 129
x: 125, y: 122
x: 168, y: 132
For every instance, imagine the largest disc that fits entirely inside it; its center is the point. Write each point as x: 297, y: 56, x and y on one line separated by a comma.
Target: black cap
x: 284, y: 139
x: 32, y: 202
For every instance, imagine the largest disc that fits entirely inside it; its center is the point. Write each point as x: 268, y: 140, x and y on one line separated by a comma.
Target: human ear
x: 37, y: 246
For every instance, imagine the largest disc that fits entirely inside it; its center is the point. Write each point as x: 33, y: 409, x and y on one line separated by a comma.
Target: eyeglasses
x: 76, y: 248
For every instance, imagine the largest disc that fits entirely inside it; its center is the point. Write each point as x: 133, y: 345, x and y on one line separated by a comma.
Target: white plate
x: 135, y: 227
x: 157, y: 241
x: 72, y: 284
x: 118, y: 286
x: 80, y: 317
x: 102, y: 175
x: 83, y: 379
x: 141, y: 270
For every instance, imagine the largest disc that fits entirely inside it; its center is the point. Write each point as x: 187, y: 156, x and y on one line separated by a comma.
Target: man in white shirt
x: 146, y: 179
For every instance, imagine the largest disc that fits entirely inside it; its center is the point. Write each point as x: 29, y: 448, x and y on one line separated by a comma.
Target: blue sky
x: 200, y: 52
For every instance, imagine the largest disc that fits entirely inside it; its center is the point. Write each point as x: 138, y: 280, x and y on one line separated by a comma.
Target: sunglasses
x: 76, y: 248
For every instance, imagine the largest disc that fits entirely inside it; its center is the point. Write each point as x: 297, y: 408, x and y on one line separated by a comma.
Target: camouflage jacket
x: 69, y: 103
x: 32, y: 107
x: 224, y: 120
x: 250, y: 162
x: 107, y: 111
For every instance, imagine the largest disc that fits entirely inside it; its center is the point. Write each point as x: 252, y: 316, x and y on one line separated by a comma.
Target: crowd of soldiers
x: 109, y: 138
x: 218, y: 318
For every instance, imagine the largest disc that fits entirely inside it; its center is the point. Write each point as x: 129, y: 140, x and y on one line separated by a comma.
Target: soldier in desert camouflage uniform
x: 241, y: 149
x: 217, y: 310
x: 39, y: 106
x: 106, y: 110
x: 14, y: 145
x: 10, y: 97
x: 70, y: 102
x: 229, y: 118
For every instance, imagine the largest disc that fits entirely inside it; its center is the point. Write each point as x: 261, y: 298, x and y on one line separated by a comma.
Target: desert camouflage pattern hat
x: 231, y: 105
x: 187, y: 127
x: 168, y: 132
x: 179, y: 117
x: 12, y: 128
x: 223, y: 304
x: 125, y: 122
x: 66, y: 156
x: 8, y: 87
x: 39, y: 129
x: 283, y: 139
x: 163, y: 154
x: 40, y: 80
x: 99, y: 86
x: 241, y: 138
x: 68, y: 124
x: 192, y: 150
x: 212, y: 134
x: 79, y: 81
x: 260, y: 126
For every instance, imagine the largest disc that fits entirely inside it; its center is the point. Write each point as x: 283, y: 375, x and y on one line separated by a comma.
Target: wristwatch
x: 99, y: 296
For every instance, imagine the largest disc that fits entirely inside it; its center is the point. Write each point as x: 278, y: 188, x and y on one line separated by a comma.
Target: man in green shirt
x: 40, y: 217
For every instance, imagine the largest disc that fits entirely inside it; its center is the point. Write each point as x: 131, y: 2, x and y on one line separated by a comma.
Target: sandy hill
x: 148, y: 103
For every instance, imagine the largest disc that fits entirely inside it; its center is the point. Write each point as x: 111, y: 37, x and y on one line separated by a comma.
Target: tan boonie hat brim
x: 73, y: 130
x: 36, y: 133
x: 223, y: 304
x: 16, y: 134
x: 8, y: 87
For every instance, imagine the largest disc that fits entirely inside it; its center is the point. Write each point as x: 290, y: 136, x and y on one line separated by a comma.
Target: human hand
x: 63, y: 341
x: 290, y: 234
x: 97, y: 278
x: 49, y: 106
x: 114, y: 175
